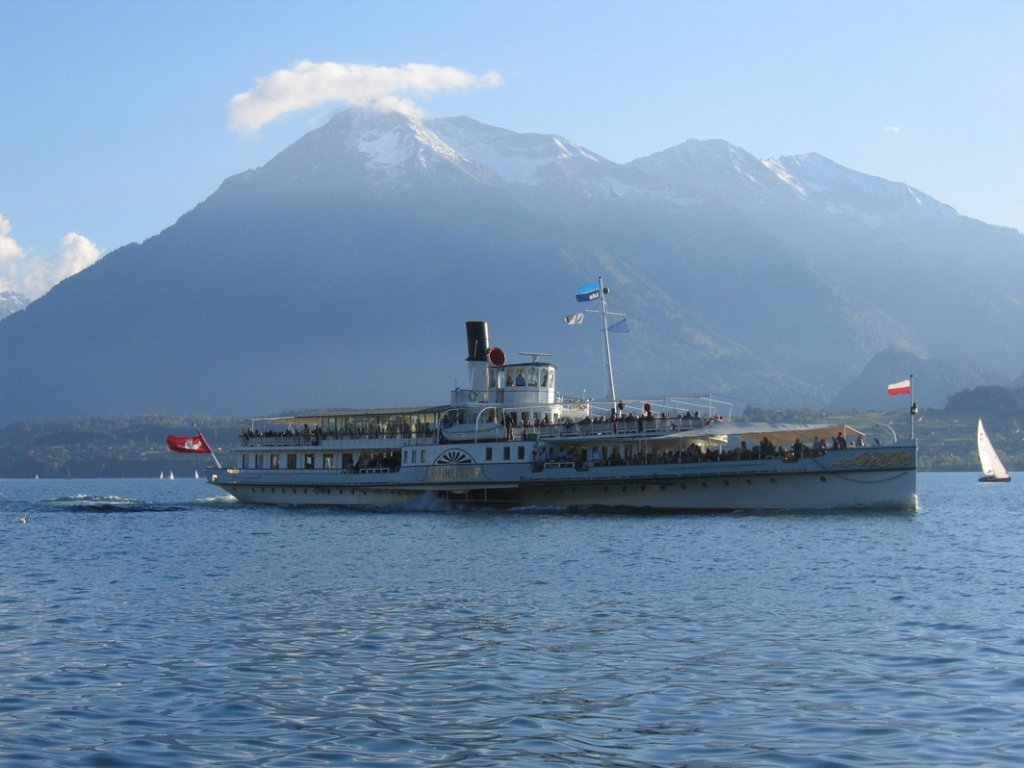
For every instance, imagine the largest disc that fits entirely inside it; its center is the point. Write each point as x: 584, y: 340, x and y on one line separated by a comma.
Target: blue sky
x: 115, y: 113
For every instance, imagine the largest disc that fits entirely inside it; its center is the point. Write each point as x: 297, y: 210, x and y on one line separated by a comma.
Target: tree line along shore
x: 136, y: 446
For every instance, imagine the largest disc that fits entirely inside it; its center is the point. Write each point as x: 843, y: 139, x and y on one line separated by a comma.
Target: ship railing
x: 278, y: 440
x: 335, y: 439
x: 639, y: 427
x: 693, y: 456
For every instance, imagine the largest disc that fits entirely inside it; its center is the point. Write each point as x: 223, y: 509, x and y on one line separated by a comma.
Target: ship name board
x: 453, y: 474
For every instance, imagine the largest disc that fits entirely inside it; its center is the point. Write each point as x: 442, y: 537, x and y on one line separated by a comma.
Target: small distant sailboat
x: 172, y: 474
x: 992, y: 469
x: 161, y: 474
x: 197, y: 474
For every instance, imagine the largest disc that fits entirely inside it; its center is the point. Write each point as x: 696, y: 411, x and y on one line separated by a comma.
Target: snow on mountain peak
x: 783, y: 175
x: 391, y: 141
x: 513, y: 157
x: 11, y: 302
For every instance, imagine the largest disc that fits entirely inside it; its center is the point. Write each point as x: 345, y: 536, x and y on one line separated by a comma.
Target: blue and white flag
x: 619, y: 327
x: 589, y: 292
x: 576, y: 319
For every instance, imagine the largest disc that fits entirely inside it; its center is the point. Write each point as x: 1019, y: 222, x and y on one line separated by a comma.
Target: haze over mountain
x: 341, y: 272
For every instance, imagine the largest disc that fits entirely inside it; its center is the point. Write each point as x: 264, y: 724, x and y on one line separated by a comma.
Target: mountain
x: 341, y: 272
x: 11, y: 302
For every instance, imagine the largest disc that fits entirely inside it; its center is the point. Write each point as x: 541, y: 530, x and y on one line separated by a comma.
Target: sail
x: 991, y: 466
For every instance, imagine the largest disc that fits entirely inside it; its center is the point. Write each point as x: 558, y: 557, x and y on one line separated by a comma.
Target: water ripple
x: 217, y: 634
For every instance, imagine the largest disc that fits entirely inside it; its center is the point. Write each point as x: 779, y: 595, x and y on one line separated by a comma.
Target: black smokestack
x: 476, y: 340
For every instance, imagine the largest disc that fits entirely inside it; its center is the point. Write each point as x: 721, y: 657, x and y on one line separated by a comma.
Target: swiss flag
x: 187, y: 444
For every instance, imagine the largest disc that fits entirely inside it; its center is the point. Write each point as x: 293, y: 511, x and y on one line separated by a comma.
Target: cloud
x: 308, y: 85
x: 76, y: 253
x: 10, y: 251
x: 893, y: 129
x: 34, y: 275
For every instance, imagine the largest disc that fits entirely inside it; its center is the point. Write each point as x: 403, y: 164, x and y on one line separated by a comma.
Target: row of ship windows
x: 329, y: 461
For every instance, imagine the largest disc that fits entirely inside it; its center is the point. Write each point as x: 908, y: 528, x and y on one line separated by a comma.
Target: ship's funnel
x: 476, y: 340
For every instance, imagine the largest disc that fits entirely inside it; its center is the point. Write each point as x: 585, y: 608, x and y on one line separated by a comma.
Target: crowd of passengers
x: 313, y: 436
x: 765, y: 449
x: 628, y: 422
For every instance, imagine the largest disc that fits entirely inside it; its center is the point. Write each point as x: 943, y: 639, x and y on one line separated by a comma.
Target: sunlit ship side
x: 508, y: 439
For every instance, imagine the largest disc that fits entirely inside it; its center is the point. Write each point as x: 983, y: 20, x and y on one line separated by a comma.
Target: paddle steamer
x: 509, y: 439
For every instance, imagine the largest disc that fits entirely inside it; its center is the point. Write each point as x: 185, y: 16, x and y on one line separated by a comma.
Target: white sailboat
x: 992, y: 469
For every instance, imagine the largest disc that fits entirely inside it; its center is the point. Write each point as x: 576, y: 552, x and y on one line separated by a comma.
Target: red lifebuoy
x: 496, y: 356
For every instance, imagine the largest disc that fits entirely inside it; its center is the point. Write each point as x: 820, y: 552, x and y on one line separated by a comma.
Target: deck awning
x: 778, y: 433
x: 752, y: 432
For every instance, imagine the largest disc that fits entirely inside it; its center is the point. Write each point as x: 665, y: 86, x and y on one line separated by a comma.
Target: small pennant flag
x: 619, y: 327
x: 187, y: 444
x: 589, y: 292
x: 900, y: 388
x: 576, y: 319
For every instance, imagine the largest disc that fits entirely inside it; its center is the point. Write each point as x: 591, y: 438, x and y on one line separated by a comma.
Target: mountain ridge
x: 363, y: 246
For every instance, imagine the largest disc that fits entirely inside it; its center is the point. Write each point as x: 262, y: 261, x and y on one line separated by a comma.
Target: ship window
x: 310, y: 461
x: 522, y: 452
x: 489, y: 454
x: 533, y: 377
x: 328, y: 461
x: 274, y: 458
x: 544, y: 377
x: 259, y: 461
x: 423, y: 457
x: 507, y: 453
x: 245, y: 461
x: 293, y: 461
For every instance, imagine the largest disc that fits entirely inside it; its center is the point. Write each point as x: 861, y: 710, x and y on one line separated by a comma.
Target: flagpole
x: 207, y: 444
x: 607, y: 342
x: 913, y: 407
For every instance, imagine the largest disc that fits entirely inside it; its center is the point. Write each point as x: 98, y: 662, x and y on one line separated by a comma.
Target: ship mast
x: 589, y: 292
x: 607, y: 341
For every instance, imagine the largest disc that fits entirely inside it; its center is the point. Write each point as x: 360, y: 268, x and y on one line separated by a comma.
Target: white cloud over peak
x: 76, y: 253
x: 33, y: 275
x: 309, y: 84
x: 893, y: 129
x: 10, y: 251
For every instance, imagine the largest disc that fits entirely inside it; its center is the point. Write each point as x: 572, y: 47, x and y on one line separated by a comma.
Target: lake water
x: 157, y: 623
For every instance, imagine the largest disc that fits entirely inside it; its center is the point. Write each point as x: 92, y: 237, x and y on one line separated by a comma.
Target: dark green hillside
x: 133, y: 447
x: 136, y: 447
x: 946, y: 437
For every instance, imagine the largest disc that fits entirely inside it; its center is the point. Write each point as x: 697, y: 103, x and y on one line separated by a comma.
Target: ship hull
x: 869, y: 479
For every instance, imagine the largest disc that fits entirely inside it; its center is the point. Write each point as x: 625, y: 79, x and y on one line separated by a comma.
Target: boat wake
x: 84, y: 502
